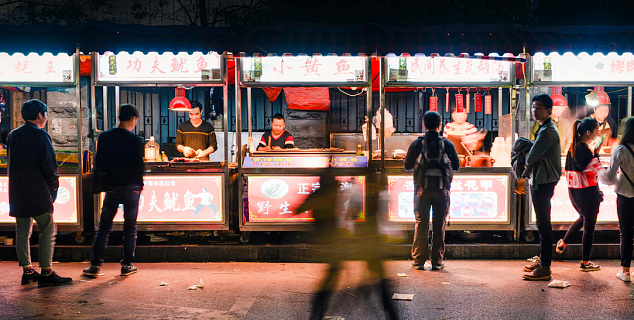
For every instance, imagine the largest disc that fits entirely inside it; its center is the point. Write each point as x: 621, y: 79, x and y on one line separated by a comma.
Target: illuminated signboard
x: 438, y: 69
x: 583, y: 68
x: 179, y: 199
x: 474, y: 198
x: 276, y: 198
x: 65, y: 207
x: 154, y: 67
x: 300, y: 69
x: 282, y: 161
x: 562, y: 210
x: 33, y: 68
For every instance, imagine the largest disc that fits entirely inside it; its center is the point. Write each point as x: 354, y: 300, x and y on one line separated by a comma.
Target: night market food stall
x: 276, y: 182
x: 582, y: 85
x: 54, y: 80
x: 179, y: 193
x: 475, y: 95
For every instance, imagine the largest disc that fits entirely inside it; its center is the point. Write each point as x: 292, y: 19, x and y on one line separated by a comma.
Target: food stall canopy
x: 155, y: 68
x: 464, y: 70
x: 46, y: 69
x: 577, y: 39
x: 582, y: 69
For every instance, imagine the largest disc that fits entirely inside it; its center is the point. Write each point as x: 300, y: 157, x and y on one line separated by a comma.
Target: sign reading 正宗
x: 31, y: 69
x: 153, y: 67
x: 583, y: 68
x: 304, y: 69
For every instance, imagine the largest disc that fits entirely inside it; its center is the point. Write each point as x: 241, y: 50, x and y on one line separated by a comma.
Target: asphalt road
x: 465, y: 289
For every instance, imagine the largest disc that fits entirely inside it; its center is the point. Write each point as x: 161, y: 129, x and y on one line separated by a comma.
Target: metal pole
x: 117, y: 100
x: 225, y: 118
x: 382, y: 107
x: 249, y: 118
x: 629, y: 101
x: 500, y: 102
x: 80, y: 141
x: 93, y: 94
x: 368, y: 102
x: 105, y: 109
x: 238, y: 115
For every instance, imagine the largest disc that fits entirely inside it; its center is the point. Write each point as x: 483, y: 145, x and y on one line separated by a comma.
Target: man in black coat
x: 33, y: 183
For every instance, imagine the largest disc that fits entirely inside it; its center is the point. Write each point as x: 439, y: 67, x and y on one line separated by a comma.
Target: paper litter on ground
x: 200, y: 284
x: 333, y: 318
x: 559, y: 284
x: 403, y: 296
x: 427, y: 265
x: 445, y: 283
x: 163, y: 283
x: 402, y: 274
x: 194, y: 287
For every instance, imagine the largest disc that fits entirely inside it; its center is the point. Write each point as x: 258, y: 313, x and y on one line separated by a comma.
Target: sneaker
x: 561, y: 245
x: 128, y: 269
x: 589, y: 267
x: 420, y: 267
x: 91, y: 271
x: 623, y: 276
x: 29, y: 275
x: 436, y: 267
x: 52, y: 279
x: 531, y: 267
x: 540, y: 273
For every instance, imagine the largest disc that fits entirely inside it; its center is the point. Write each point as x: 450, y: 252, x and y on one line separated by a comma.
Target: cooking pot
x: 479, y: 161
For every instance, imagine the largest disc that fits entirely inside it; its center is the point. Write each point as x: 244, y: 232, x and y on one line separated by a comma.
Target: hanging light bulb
x: 559, y: 100
x: 597, y: 97
x: 180, y: 102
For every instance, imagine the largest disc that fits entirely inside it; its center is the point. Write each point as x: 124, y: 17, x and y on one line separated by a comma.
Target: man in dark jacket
x: 119, y: 159
x: 433, y: 193
x: 33, y: 183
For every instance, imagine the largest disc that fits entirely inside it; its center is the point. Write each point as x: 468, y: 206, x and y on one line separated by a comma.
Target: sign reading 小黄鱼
x: 277, y: 198
x: 474, y: 198
x: 153, y: 67
x: 583, y: 68
x: 180, y: 199
x: 33, y: 68
x: 282, y: 161
x: 447, y: 70
x: 304, y: 69
x: 65, y: 205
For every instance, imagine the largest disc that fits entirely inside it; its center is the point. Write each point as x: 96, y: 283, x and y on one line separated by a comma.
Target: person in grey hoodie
x: 545, y: 159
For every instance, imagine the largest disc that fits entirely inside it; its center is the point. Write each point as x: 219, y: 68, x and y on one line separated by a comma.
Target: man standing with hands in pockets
x: 543, y: 165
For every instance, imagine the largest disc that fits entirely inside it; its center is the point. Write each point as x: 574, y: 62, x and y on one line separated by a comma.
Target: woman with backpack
x: 582, y: 169
x: 623, y: 159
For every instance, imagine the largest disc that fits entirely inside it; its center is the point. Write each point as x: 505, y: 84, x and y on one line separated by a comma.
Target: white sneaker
x: 624, y: 276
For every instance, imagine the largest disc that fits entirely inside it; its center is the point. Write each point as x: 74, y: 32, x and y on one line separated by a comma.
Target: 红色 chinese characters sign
x: 439, y: 70
x: 180, y: 199
x: 474, y: 198
x: 282, y: 161
x: 311, y: 69
x: 65, y: 205
x: 276, y: 198
x: 583, y: 68
x: 154, y: 67
x: 33, y: 68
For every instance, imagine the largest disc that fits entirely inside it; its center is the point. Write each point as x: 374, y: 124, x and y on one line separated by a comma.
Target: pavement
x: 465, y: 289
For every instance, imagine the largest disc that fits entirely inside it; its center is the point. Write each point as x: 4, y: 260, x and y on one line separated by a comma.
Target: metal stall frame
x: 242, y: 173
x: 511, y: 223
x: 225, y: 170
x: 79, y: 174
x: 561, y: 226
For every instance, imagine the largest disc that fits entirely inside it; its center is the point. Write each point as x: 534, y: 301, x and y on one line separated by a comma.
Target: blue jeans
x: 46, y: 244
x: 129, y: 197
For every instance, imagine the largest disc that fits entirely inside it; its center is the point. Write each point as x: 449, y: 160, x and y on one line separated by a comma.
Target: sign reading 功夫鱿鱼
x: 447, y: 70
x: 180, y: 199
x: 153, y: 67
x: 474, y: 198
x: 583, y: 68
x: 65, y: 205
x: 304, y: 69
x: 277, y: 198
x: 31, y: 69
x: 282, y: 161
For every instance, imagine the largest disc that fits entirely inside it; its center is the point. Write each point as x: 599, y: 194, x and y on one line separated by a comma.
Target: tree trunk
x: 202, y: 7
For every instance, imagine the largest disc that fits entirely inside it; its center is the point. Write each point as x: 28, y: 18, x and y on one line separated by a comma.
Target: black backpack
x: 433, y: 171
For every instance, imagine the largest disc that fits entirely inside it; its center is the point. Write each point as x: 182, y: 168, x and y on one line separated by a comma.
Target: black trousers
x: 625, y: 210
x: 586, y: 201
x: 424, y: 200
x: 541, y: 195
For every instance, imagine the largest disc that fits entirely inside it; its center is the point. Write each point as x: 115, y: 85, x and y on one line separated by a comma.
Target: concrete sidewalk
x: 465, y: 289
